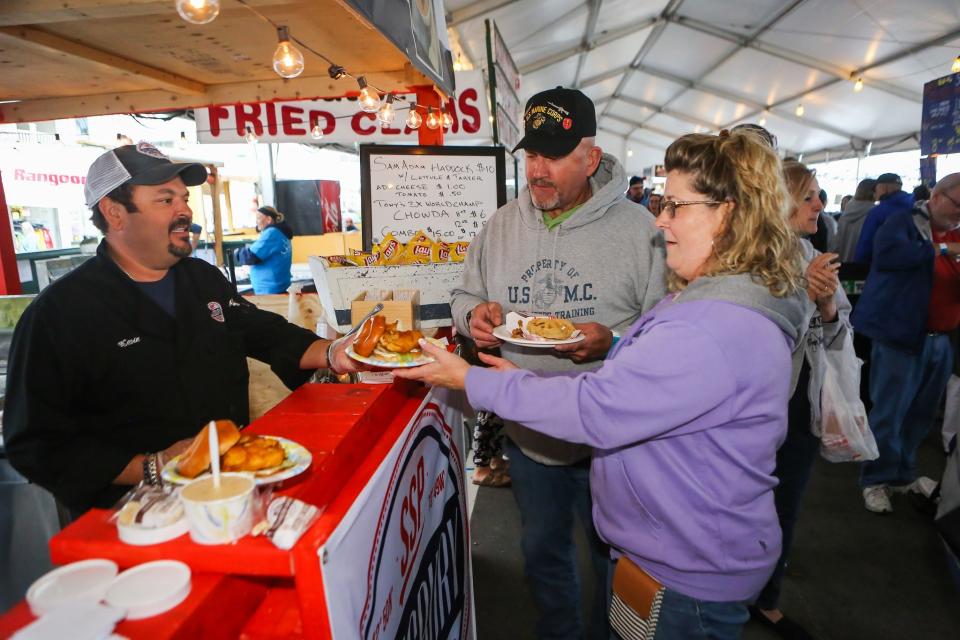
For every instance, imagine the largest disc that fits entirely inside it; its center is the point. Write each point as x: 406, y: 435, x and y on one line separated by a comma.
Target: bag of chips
x: 439, y: 252
x: 458, y: 251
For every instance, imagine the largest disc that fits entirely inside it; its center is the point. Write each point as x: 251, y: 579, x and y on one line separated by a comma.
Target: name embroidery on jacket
x: 126, y: 342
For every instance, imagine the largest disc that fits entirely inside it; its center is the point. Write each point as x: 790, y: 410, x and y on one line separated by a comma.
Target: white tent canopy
x: 658, y: 69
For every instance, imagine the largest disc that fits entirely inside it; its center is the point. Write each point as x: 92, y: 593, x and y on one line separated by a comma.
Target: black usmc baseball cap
x: 140, y: 163
x: 556, y: 120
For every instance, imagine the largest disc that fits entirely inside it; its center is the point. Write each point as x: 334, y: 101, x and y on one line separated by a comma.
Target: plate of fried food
x: 537, y: 331
x: 383, y: 344
x: 269, y: 459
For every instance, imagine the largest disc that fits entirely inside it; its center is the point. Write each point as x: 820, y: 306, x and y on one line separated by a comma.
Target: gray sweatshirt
x: 849, y: 226
x: 604, y: 264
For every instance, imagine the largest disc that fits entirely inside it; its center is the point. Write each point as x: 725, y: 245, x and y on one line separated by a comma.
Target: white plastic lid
x: 77, y: 621
x: 80, y: 582
x: 150, y: 589
x: 136, y: 535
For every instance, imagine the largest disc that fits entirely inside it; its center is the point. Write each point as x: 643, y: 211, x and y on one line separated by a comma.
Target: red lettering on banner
x: 355, y: 123
x: 271, y: 110
x: 18, y: 174
x: 469, y: 111
x: 248, y: 114
x: 216, y: 114
x: 290, y: 116
x: 390, y: 130
x: 330, y: 122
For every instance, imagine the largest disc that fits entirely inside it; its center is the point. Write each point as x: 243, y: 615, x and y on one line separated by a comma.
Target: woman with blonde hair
x: 827, y: 329
x: 687, y: 412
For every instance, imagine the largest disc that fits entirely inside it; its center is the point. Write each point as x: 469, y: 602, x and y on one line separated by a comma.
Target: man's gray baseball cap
x: 140, y: 163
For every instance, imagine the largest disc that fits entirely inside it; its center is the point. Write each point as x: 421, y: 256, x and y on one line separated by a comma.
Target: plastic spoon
x: 214, y: 454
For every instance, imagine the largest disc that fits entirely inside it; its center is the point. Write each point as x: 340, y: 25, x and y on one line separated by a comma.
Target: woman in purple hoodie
x: 687, y: 412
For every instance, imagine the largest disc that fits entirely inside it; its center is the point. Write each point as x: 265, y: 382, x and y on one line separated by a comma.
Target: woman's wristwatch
x: 151, y: 468
x: 944, y: 249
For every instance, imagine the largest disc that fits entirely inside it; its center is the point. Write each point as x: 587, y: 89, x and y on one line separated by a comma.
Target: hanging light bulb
x: 198, y: 11
x: 387, y: 112
x: 457, y: 65
x: 251, y: 137
x: 414, y: 119
x: 316, y: 132
x: 955, y: 67
x: 800, y: 110
x: 763, y: 119
x: 433, y: 120
x: 369, y: 98
x: 858, y: 85
x: 287, y: 59
x: 182, y: 141
x: 446, y: 119
x: 629, y: 153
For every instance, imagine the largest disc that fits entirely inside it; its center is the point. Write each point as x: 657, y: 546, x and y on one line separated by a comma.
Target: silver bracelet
x: 330, y: 357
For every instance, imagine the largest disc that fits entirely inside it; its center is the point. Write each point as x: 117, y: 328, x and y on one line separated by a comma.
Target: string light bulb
x: 287, y: 59
x: 198, y: 11
x: 629, y: 153
x: 369, y: 98
x: 182, y: 141
x: 457, y: 65
x: 800, y: 110
x: 387, y: 113
x: 414, y: 119
x: 433, y: 120
x: 763, y: 119
x: 316, y: 132
x: 446, y: 119
x: 955, y: 67
x: 251, y: 137
x: 858, y: 85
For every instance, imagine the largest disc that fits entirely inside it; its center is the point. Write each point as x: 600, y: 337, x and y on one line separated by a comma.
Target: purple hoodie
x: 685, y: 418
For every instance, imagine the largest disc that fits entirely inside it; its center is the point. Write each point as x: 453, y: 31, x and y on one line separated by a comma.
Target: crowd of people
x: 682, y: 454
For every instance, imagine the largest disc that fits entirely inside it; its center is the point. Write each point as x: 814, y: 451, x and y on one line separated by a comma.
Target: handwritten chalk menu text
x: 448, y: 192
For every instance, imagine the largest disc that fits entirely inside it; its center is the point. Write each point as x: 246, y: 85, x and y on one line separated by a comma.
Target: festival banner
x: 342, y: 121
x: 408, y: 530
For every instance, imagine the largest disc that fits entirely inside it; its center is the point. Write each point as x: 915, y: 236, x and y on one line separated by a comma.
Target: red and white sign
x: 330, y: 205
x: 46, y: 175
x: 408, y: 529
x: 341, y: 119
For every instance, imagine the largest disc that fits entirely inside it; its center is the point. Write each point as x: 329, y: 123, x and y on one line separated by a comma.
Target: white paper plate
x: 76, y: 583
x: 296, y: 462
x: 503, y: 333
x: 403, y: 360
x: 150, y: 589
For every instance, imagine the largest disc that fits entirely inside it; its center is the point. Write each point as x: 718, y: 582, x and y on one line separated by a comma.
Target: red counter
x: 252, y: 589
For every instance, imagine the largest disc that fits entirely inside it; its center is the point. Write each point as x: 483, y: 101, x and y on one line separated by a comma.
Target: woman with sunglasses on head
x: 271, y: 256
x: 827, y: 329
x: 689, y: 409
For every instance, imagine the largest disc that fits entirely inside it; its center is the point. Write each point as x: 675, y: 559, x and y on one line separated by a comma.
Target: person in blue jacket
x: 271, y: 255
x: 892, y: 199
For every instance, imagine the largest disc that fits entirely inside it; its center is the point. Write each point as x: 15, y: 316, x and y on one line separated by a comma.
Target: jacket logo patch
x: 126, y: 342
x: 216, y: 311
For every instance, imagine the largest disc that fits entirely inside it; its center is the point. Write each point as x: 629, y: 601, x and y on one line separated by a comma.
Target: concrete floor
x: 853, y: 575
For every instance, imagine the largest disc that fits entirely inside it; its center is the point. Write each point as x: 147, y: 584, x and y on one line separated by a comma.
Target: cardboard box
x: 402, y: 306
x: 339, y: 286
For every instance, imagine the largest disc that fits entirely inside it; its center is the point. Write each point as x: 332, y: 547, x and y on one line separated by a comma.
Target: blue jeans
x: 906, y: 389
x: 795, y: 460
x: 548, y: 497
x: 686, y: 618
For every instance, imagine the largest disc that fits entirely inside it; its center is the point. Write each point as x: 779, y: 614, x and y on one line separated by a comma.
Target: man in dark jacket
x: 892, y: 199
x: 909, y: 306
x: 116, y: 366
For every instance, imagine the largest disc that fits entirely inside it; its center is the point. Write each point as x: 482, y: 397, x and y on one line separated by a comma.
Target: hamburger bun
x: 369, y: 336
x: 196, y: 459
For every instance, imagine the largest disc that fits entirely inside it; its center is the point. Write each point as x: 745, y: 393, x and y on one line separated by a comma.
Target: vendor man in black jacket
x: 115, y: 367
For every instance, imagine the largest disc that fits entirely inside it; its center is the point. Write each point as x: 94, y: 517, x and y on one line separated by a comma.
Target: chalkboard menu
x: 448, y: 192
x: 940, y: 123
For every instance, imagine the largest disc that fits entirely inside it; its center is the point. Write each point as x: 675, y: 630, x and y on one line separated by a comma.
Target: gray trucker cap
x: 140, y: 163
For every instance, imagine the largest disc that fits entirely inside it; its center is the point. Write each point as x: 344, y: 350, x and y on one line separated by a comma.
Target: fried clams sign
x: 416, y: 584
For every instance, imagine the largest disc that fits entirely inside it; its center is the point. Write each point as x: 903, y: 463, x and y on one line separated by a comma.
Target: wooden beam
x: 302, y: 88
x: 35, y: 12
x: 53, y: 43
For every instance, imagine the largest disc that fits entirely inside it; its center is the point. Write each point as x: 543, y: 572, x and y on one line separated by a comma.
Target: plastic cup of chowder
x: 219, y: 515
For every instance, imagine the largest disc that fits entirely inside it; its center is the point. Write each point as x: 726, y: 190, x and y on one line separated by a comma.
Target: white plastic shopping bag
x: 845, y: 434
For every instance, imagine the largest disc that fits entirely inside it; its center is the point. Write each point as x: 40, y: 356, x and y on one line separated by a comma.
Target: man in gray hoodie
x: 850, y: 223
x: 570, y: 246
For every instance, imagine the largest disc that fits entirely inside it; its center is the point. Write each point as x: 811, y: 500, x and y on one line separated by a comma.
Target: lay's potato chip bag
x: 439, y: 252
x: 391, y: 250
x: 458, y: 251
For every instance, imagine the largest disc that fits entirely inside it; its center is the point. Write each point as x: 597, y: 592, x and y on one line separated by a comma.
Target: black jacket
x: 98, y: 373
